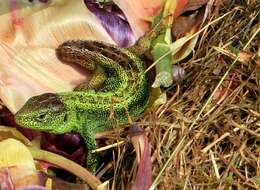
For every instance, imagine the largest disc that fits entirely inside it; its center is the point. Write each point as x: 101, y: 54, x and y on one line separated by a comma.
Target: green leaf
x: 163, y: 68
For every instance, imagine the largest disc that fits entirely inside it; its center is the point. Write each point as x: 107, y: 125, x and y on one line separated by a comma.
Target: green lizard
x: 118, y: 90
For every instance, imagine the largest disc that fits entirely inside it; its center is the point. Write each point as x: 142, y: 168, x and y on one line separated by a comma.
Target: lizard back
x: 125, y: 90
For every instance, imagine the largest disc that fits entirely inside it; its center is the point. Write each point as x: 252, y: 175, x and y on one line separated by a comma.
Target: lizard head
x: 46, y: 113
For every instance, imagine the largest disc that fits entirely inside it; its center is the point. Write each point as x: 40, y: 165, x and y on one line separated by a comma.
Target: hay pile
x: 207, y: 135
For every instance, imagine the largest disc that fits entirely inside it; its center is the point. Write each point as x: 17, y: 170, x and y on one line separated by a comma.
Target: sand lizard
x: 119, y: 86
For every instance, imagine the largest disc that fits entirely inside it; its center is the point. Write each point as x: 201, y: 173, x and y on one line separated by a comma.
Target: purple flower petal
x: 69, y: 145
x: 114, y: 22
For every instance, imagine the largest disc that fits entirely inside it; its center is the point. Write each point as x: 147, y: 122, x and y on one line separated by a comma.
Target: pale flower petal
x: 28, y: 65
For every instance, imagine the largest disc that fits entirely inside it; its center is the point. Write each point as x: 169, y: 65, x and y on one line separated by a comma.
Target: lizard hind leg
x: 95, y: 83
x: 95, y: 57
x: 99, y: 82
x: 144, y: 43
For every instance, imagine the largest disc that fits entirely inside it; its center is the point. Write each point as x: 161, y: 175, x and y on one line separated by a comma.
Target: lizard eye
x: 42, y: 116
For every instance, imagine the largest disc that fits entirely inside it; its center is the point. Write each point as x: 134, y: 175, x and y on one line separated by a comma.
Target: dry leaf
x: 9, y: 132
x: 184, y: 27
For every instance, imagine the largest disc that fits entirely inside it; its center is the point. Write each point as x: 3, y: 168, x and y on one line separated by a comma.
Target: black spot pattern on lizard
x: 73, y: 48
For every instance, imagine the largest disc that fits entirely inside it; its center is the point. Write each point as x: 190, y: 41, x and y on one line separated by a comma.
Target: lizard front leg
x: 88, y: 135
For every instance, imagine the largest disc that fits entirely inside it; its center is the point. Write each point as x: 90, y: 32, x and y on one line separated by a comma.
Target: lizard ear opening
x: 65, y: 119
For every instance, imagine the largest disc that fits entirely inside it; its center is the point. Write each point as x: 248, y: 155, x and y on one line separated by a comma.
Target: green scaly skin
x: 119, y: 90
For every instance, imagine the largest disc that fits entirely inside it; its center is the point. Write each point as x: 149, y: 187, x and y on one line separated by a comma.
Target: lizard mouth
x: 19, y: 119
x: 25, y: 122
